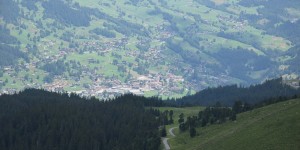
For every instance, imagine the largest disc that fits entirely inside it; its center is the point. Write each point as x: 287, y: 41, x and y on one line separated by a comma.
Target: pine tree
x: 171, y: 117
x: 233, y: 116
x: 163, y: 132
x: 193, y: 132
x: 181, y: 118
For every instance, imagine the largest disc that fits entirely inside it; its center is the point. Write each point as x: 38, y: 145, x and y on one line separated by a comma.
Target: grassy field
x: 272, y: 127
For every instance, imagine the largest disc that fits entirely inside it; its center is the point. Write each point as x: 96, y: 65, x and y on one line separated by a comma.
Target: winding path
x: 166, y: 144
x: 171, y: 131
x: 165, y: 140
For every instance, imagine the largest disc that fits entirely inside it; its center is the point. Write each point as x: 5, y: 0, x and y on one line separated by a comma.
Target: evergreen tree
x: 193, y: 132
x: 182, y: 127
x: 171, y: 117
x: 237, y: 107
x: 181, y: 118
x: 163, y: 132
x: 233, y: 117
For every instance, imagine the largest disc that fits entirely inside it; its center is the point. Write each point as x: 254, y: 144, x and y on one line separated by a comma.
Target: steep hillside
x: 150, y: 47
x: 271, y: 127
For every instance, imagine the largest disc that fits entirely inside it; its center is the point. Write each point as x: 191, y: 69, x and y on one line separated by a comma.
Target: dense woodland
x: 229, y: 57
x: 103, y: 32
x: 60, y: 11
x: 6, y: 13
x: 55, y: 68
x: 9, y: 54
x: 36, y: 119
x: 227, y: 95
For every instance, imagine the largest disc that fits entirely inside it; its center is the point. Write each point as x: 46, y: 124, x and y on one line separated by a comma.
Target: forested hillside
x: 147, y: 47
x: 274, y: 89
x: 36, y: 119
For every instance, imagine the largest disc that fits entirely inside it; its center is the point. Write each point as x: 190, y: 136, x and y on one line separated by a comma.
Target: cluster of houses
x: 237, y: 25
x: 110, y: 87
x: 104, y: 87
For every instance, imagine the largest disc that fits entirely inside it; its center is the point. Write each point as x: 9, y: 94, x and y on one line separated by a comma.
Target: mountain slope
x: 253, y: 94
x: 150, y: 47
x: 271, y: 127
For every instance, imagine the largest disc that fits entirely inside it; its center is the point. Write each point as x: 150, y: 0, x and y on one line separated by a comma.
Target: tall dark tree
x: 181, y: 118
x: 163, y: 132
x: 193, y: 132
x: 237, y: 107
x: 171, y: 121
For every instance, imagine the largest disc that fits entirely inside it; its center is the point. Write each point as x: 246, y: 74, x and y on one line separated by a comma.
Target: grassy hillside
x: 187, y: 111
x: 272, y: 127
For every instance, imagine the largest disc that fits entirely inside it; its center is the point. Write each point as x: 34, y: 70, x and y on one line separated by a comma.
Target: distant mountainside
x: 274, y: 89
x: 150, y: 47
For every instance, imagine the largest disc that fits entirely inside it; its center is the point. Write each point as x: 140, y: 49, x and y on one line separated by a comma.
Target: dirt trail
x: 165, y: 140
x: 166, y: 144
x: 171, y: 131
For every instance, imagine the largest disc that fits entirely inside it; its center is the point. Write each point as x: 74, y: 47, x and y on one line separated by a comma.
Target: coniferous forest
x: 36, y: 119
x: 270, y: 90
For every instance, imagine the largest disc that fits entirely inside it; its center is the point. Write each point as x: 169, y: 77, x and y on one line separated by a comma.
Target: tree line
x: 216, y: 114
x: 227, y: 95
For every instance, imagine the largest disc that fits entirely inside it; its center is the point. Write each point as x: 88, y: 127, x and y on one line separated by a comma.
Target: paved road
x: 165, y: 140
